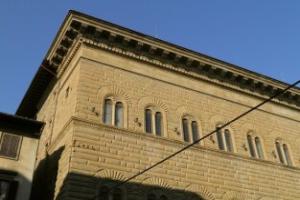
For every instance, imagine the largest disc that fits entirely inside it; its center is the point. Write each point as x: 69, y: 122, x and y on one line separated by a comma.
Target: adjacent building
x: 18, y: 145
x: 115, y: 101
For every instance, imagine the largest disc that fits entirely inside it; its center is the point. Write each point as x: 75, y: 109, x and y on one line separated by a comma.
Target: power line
x: 280, y: 92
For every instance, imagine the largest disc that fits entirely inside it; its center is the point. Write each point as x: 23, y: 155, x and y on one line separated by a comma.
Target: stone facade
x: 90, y: 154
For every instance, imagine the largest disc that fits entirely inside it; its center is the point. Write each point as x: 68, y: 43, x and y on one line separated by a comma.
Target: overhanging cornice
x: 146, y: 48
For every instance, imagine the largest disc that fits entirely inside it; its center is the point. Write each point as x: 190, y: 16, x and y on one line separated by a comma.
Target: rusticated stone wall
x: 93, y: 151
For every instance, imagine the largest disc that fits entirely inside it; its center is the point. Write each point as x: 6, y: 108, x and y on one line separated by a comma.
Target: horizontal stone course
x: 214, y: 169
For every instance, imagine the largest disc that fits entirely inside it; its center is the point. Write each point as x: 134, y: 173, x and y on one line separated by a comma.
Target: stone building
x: 115, y: 101
x: 18, y: 145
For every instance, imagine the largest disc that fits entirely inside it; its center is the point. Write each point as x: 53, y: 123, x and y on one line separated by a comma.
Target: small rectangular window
x: 9, y: 145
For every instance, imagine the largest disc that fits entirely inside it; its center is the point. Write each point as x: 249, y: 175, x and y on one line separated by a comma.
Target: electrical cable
x: 280, y: 92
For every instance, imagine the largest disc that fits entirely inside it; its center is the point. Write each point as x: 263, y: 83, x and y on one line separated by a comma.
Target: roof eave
x: 77, y: 23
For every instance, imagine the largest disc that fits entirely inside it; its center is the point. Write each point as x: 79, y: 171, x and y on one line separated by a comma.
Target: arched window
x: 151, y: 197
x: 255, y: 147
x: 283, y: 153
x: 220, y: 139
x: 119, y: 114
x: 106, y: 194
x: 195, y: 131
x: 250, y: 145
x: 113, y: 113
x: 287, y: 154
x: 224, y: 139
x: 154, y: 121
x: 148, y: 121
x: 228, y: 140
x: 259, y: 149
x: 107, y: 115
x: 158, y: 123
x: 195, y: 196
x: 117, y: 194
x: 185, y: 129
x: 279, y: 152
x: 163, y: 197
x: 190, y: 130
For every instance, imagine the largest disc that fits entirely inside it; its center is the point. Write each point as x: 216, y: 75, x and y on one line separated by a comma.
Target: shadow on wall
x: 45, y: 177
x: 93, y: 188
x: 98, y: 187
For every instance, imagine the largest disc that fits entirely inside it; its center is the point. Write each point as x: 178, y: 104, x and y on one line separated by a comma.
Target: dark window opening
x: 228, y: 140
x: 250, y: 144
x: 279, y: 152
x: 195, y: 131
x: 107, y: 115
x: 287, y: 155
x: 259, y: 149
x: 220, y: 139
x: 185, y: 129
x: 158, y: 124
x: 119, y: 114
x: 148, y: 121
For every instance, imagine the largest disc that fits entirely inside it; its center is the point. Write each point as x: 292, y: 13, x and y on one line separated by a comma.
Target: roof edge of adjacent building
x: 20, y: 125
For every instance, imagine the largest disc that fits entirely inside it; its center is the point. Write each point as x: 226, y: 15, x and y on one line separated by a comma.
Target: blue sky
x: 260, y: 35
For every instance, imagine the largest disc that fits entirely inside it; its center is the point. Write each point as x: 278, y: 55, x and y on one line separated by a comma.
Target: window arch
x: 190, y: 129
x: 154, y: 121
x: 283, y: 153
x: 255, y: 146
x: 224, y: 138
x: 113, y: 112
